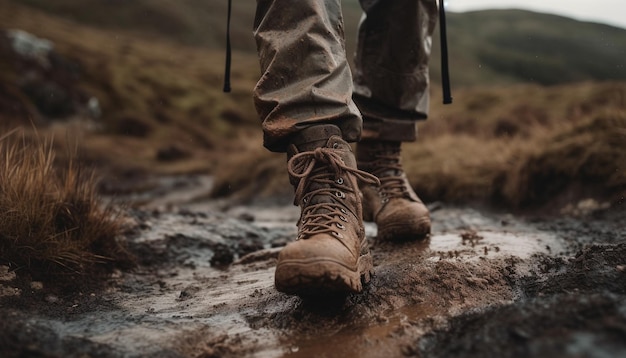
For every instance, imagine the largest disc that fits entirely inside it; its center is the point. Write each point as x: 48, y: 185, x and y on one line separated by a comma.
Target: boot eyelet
x: 335, y: 145
x: 343, y: 218
x: 339, y: 181
x: 340, y: 194
x: 341, y: 226
x: 335, y: 233
x: 343, y: 210
x: 385, y: 200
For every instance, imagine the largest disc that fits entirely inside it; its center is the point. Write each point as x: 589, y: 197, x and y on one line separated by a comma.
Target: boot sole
x: 322, y: 277
x: 417, y: 230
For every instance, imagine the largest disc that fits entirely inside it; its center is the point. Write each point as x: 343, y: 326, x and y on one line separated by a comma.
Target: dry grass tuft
x: 52, y: 225
x: 588, y: 158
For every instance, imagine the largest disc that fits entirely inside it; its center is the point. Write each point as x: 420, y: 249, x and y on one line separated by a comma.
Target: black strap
x: 228, y: 51
x: 445, y: 73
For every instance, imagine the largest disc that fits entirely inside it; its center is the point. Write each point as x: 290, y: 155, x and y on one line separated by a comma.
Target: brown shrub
x: 525, y: 151
x: 52, y: 225
x: 590, y: 157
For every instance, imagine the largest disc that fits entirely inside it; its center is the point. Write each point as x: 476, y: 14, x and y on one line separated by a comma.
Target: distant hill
x: 486, y: 47
x: 190, y: 22
x: 516, y: 45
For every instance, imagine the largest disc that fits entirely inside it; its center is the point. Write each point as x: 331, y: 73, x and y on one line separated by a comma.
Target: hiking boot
x: 397, y: 210
x: 330, y: 255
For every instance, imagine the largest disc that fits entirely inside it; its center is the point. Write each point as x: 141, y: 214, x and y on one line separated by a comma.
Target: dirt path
x: 484, y: 284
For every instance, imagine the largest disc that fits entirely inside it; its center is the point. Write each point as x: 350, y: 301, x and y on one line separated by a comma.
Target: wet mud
x: 484, y: 284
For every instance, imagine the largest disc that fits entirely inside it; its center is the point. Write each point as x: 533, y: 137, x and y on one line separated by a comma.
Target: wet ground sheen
x: 484, y: 284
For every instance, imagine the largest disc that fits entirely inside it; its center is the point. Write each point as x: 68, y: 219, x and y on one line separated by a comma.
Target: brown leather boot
x: 397, y: 210
x: 330, y: 254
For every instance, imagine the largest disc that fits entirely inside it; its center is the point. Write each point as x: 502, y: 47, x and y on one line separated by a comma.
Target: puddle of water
x: 493, y: 245
x: 362, y: 340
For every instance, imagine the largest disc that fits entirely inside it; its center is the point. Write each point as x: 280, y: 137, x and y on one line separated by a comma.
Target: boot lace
x: 387, y: 168
x: 322, y: 186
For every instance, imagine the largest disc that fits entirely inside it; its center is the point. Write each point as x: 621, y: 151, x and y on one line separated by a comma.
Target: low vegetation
x: 516, y: 146
x: 162, y: 110
x: 53, y: 227
x: 486, y: 47
x: 153, y: 95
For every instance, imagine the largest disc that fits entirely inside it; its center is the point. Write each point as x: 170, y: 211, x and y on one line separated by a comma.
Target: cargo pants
x: 305, y: 76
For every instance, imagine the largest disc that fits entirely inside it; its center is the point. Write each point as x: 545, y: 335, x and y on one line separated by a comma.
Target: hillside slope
x: 523, y: 46
x: 156, y: 98
x: 163, y: 111
x: 486, y: 47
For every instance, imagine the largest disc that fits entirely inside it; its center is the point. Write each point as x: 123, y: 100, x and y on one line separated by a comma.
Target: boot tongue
x: 321, y: 136
x: 392, y: 150
x: 379, y: 157
x: 390, y: 172
x: 315, y: 136
x: 326, y: 196
x: 320, y: 199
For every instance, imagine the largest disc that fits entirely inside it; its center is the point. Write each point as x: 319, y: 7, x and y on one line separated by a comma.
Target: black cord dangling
x: 445, y: 73
x: 228, y: 51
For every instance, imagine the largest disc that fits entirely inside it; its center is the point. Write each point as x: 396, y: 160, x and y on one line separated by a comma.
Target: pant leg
x: 305, y: 78
x: 391, y: 66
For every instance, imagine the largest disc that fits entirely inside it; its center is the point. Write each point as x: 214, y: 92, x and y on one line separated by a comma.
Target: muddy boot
x: 394, y: 206
x: 330, y: 255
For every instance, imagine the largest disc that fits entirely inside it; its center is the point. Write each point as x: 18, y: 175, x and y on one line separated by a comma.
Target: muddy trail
x: 484, y: 284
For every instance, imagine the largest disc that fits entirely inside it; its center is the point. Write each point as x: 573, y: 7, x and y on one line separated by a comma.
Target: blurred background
x: 134, y: 88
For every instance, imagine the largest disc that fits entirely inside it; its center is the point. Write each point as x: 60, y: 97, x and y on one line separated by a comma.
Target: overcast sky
x: 612, y: 12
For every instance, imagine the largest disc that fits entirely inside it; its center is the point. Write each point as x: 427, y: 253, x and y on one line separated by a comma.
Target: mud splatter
x: 204, y: 288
